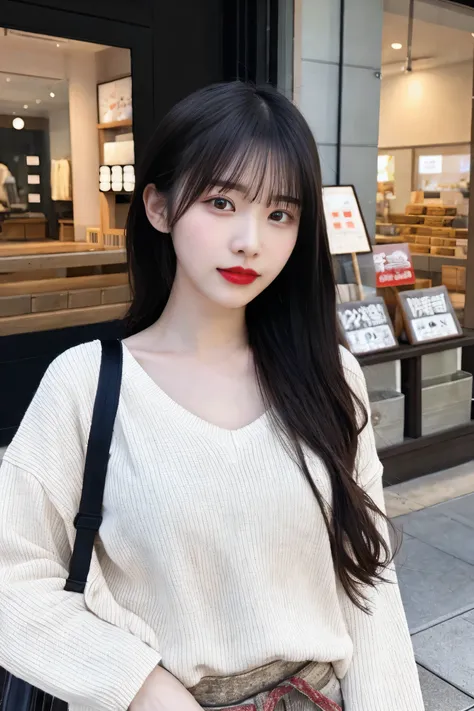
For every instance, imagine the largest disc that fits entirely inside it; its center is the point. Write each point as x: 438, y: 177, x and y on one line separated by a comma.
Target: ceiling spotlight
x: 57, y: 44
x: 397, y: 45
x: 18, y: 123
x: 7, y: 79
x: 38, y: 101
x: 25, y: 106
x: 52, y: 94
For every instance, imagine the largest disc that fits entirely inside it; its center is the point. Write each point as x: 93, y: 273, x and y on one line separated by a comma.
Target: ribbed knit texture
x: 213, y: 554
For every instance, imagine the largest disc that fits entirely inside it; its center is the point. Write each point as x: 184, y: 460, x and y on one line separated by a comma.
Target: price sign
x: 366, y: 326
x: 346, y: 229
x: 393, y: 265
x: 429, y: 315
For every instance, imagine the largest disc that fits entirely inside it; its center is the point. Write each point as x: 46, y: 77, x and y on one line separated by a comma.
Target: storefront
x: 422, y: 405
x: 387, y: 89
x: 81, y: 90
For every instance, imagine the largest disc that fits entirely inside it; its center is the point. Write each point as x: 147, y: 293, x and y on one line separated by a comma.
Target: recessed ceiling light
x: 57, y: 44
x: 397, y: 45
x: 25, y: 106
x: 52, y: 94
x: 18, y: 123
x: 38, y: 101
x: 472, y: 33
x: 8, y: 79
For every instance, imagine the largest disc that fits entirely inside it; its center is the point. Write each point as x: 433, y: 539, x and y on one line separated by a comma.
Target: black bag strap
x: 89, y: 516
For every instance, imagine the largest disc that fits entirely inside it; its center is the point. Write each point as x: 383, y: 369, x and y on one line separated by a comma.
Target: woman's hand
x: 163, y: 692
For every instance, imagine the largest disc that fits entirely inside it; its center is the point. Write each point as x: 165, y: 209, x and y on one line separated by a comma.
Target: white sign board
x: 346, y: 229
x: 430, y: 165
x: 366, y: 325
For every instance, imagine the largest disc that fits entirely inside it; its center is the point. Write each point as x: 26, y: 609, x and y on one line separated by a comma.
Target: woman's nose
x: 247, y: 238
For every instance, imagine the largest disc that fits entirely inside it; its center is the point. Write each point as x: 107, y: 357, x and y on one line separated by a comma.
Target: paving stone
x: 435, y: 527
x: 461, y: 510
x: 432, y: 489
x: 398, y: 505
x: 434, y: 585
x: 448, y: 650
x: 438, y: 695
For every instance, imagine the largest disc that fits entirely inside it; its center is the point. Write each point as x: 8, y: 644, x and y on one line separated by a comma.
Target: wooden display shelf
x: 418, y: 455
x: 23, y: 228
x: 126, y: 123
x: 425, y: 455
x: 65, y: 318
x: 43, y: 286
x: 86, y: 258
x: 405, y: 350
x: 44, y: 247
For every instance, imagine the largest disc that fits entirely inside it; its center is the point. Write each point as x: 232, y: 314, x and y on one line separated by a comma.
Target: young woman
x: 243, y: 560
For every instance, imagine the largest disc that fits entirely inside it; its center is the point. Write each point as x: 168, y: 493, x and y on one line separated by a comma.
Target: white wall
x: 403, y: 179
x: 428, y: 107
x: 45, y: 63
x: 59, y: 134
x: 84, y: 142
x: 113, y: 63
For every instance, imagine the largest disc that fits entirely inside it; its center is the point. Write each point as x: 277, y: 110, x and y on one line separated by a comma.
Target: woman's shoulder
x: 75, y: 366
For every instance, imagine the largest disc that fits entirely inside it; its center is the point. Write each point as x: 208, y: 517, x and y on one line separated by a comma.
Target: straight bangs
x: 252, y: 154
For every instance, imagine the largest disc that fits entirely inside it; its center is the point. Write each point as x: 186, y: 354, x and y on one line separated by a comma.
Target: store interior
x: 66, y: 178
x: 424, y: 152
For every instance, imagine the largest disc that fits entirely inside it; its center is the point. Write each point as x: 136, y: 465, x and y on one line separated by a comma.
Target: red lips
x: 239, y: 275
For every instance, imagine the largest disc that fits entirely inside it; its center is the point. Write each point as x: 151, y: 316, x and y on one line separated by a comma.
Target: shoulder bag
x: 18, y: 695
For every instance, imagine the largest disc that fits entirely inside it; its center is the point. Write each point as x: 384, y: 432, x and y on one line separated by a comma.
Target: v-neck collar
x: 186, y: 417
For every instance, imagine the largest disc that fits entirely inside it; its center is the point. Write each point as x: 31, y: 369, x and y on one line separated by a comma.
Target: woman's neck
x: 191, y: 323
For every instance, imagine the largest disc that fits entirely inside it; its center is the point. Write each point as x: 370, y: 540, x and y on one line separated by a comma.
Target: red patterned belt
x: 294, y: 683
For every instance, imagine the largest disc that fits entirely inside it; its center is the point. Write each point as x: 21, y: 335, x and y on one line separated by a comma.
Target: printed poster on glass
x: 428, y: 315
x: 366, y: 326
x: 346, y: 228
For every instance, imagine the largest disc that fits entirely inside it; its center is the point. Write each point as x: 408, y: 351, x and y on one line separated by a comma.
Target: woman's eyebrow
x: 275, y: 199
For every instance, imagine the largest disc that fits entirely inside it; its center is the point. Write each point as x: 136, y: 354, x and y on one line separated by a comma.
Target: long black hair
x: 213, y: 136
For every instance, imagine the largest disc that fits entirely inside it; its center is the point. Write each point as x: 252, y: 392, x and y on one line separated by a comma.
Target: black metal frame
x: 419, y: 455
x: 251, y: 41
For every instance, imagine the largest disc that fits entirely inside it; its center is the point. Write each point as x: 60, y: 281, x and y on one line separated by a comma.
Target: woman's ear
x: 156, y: 208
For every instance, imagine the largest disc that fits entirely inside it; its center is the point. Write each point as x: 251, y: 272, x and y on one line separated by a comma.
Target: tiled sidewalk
x: 436, y: 575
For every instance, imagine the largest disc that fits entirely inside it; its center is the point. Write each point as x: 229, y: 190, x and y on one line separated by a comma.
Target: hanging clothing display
x: 4, y: 174
x: 61, y: 180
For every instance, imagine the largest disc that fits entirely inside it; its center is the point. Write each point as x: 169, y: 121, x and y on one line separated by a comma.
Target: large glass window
x: 424, y: 158
x: 66, y: 177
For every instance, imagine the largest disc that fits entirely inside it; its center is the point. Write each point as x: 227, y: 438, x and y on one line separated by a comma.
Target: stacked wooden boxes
x: 428, y: 229
x: 454, y: 278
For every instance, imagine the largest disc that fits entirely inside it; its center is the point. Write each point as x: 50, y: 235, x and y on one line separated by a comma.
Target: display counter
x: 420, y: 454
x: 59, y: 285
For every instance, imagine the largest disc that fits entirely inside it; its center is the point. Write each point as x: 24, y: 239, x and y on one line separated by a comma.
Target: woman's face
x: 228, y: 248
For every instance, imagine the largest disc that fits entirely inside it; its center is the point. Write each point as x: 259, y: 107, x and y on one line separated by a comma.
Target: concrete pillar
x: 84, y: 142
x: 317, y: 85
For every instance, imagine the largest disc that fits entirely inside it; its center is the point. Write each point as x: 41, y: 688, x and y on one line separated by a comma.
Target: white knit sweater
x: 213, y: 554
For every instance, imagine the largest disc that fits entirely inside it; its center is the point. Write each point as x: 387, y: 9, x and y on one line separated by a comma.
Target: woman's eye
x: 222, y: 204
x: 280, y: 216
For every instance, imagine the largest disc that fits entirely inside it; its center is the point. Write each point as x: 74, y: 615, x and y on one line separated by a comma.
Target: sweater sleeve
x: 383, y: 673
x: 48, y: 637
